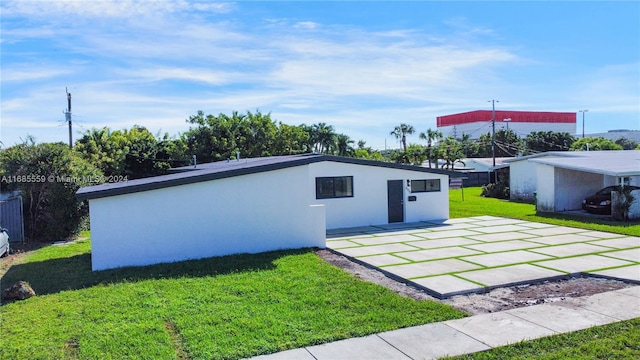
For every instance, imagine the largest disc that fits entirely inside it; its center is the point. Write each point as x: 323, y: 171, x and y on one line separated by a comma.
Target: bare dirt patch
x: 19, y: 252
x: 499, y: 299
x: 17, y: 255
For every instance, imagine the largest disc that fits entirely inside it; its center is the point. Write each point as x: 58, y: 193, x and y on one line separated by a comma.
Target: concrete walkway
x: 480, y: 332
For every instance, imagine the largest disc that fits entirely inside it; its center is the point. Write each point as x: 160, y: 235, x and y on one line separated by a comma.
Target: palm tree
x: 431, y: 136
x: 401, y: 131
x: 343, y: 145
x: 323, y: 136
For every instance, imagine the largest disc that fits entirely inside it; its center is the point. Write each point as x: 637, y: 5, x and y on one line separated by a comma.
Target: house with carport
x: 559, y: 181
x: 255, y: 205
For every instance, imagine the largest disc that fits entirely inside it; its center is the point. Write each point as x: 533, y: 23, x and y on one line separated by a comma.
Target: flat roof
x: 612, y: 162
x: 230, y: 168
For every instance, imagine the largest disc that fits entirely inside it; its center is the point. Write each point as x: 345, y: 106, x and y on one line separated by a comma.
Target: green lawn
x: 218, y: 308
x: 614, y: 341
x: 476, y: 205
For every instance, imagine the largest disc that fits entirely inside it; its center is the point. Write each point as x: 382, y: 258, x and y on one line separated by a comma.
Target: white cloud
x: 108, y: 8
x: 196, y: 75
x: 307, y: 25
x: 23, y: 73
x: 462, y: 25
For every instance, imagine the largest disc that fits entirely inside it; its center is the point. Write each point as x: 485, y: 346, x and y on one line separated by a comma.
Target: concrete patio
x: 468, y: 255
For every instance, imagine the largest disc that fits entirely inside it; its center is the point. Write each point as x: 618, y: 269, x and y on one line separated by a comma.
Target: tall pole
x: 583, y: 111
x: 507, y: 120
x: 68, y: 116
x: 493, y: 131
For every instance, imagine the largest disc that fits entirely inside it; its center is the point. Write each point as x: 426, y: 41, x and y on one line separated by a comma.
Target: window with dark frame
x: 430, y: 185
x: 334, y: 187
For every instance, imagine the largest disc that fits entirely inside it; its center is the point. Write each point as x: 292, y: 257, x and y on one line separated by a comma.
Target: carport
x: 558, y: 181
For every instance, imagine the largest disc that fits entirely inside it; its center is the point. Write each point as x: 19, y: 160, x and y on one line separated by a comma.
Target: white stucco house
x: 254, y: 205
x: 561, y: 180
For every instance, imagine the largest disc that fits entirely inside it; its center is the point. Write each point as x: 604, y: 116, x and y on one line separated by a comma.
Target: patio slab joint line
x: 395, y: 347
x: 469, y: 335
x: 536, y: 324
x: 306, y: 348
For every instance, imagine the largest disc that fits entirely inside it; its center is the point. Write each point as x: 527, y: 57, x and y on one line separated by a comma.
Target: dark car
x: 600, y: 203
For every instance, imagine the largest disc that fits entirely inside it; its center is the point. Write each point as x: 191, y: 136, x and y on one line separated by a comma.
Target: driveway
x: 476, y: 254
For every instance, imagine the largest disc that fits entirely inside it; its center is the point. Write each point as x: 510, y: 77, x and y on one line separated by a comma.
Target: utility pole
x: 68, y: 117
x: 583, y: 111
x: 493, y: 131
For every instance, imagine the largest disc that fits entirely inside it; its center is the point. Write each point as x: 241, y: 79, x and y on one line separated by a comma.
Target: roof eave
x: 98, y: 191
x: 89, y: 194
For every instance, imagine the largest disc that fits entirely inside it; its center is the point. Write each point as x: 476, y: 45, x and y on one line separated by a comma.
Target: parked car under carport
x: 600, y: 202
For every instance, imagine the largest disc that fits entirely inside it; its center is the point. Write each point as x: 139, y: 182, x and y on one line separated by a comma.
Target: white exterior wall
x: 522, y: 180
x: 615, y: 180
x: 369, y: 204
x: 244, y: 214
x: 573, y: 186
x: 609, y: 181
x: 476, y: 129
x: 545, y: 188
x: 634, y: 210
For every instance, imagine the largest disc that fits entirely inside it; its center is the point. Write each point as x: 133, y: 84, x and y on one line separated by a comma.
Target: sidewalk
x: 479, y: 332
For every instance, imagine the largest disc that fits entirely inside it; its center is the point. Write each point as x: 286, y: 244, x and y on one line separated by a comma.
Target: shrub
x: 620, y: 208
x: 48, y: 175
x: 498, y: 190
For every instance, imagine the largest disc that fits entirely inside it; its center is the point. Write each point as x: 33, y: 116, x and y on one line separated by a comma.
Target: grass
x: 476, y: 205
x: 614, y: 341
x: 218, y: 308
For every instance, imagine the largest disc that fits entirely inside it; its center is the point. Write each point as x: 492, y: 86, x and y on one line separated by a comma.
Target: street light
x: 507, y: 120
x: 493, y: 127
x: 583, y: 111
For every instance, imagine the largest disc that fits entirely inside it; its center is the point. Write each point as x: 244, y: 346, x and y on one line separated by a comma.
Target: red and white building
x: 478, y: 122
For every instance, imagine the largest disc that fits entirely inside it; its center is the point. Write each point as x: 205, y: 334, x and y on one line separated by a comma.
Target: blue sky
x: 363, y: 67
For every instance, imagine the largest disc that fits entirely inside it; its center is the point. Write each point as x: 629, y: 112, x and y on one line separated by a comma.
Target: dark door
x: 395, y: 201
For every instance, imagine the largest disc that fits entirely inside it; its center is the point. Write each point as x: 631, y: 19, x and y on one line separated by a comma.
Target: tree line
x: 48, y: 174
x: 138, y: 153
x: 444, y: 152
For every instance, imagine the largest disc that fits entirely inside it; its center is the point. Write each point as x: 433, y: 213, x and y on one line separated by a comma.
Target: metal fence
x: 11, y: 218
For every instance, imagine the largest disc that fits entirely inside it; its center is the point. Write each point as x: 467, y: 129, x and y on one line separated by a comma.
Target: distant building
x: 477, y: 123
x: 479, y: 171
x: 614, y: 135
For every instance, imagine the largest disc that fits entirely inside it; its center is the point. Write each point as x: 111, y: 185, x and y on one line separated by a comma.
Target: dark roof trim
x: 200, y: 175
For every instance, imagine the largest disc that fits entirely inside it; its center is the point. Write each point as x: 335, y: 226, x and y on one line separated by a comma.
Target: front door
x: 395, y: 200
